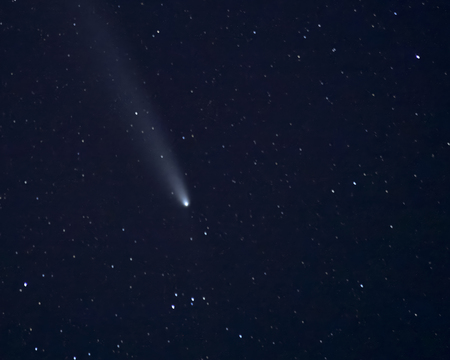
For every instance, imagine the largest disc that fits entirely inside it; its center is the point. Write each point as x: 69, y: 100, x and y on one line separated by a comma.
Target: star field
x: 198, y: 180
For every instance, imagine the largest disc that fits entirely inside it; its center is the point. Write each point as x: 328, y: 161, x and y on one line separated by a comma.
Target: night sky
x: 311, y: 139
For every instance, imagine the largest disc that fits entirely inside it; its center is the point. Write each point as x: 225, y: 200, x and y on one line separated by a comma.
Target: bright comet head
x: 185, y: 203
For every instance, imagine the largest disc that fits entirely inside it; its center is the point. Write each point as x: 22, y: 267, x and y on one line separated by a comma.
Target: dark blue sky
x: 312, y: 139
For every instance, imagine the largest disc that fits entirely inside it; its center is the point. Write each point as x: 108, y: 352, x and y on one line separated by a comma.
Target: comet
x: 118, y: 77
